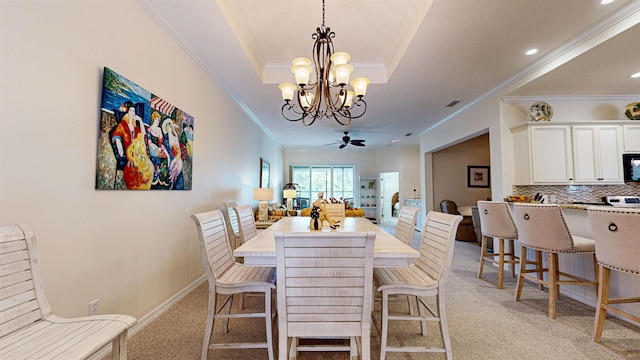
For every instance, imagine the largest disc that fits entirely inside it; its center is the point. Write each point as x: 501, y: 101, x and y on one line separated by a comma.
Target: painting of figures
x: 145, y: 142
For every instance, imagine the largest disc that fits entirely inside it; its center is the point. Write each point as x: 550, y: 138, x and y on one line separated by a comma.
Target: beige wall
x: 131, y: 249
x: 450, y: 172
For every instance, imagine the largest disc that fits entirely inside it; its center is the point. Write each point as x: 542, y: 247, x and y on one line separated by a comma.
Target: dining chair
x: 246, y: 223
x: 497, y: 223
x: 426, y: 277
x: 335, y: 211
x: 228, y: 277
x: 405, y: 228
x: 231, y: 219
x: 325, y: 282
x: 615, y: 232
x: 542, y: 228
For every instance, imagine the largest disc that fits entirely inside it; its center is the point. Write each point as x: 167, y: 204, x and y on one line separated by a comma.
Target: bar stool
x: 543, y: 228
x: 496, y: 222
x: 615, y: 232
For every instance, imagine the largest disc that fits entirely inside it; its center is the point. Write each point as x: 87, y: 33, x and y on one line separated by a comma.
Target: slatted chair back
x: 246, y: 223
x: 231, y: 219
x: 405, y: 227
x: 543, y: 227
x: 214, y: 247
x: 436, y: 246
x: 335, y: 211
x: 23, y: 302
x: 324, y: 285
x: 615, y: 232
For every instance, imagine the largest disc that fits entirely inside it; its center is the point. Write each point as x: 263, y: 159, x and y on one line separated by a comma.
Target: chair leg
x: 444, y: 326
x: 293, y: 349
x: 500, y: 263
x: 385, y: 324
x: 603, y: 300
x: 483, y: 252
x: 553, y: 283
x: 513, y: 257
x: 225, y: 322
x: 365, y: 346
x: 208, y: 329
x: 539, y: 267
x: 241, y: 301
x: 421, y: 311
x: 119, y: 347
x: 595, y: 272
x: 267, y: 317
x: 523, y: 266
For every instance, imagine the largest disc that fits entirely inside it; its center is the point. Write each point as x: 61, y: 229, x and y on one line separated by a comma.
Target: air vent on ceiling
x: 408, y: 134
x: 453, y: 103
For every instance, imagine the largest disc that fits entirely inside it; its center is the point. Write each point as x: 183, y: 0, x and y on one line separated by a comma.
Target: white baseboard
x: 154, y: 314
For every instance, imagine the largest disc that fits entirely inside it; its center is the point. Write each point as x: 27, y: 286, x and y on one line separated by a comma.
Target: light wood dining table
x: 388, y: 250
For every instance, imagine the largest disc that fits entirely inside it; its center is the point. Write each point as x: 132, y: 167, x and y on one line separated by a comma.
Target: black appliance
x: 631, y: 167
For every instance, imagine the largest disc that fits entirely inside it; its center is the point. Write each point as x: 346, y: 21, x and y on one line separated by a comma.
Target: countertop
x: 578, y: 206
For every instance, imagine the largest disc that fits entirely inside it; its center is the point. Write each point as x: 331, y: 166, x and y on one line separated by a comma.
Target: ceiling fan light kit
x: 331, y: 98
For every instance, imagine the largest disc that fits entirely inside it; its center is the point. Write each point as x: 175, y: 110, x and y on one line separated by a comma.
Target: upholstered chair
x: 542, y: 228
x: 615, y: 232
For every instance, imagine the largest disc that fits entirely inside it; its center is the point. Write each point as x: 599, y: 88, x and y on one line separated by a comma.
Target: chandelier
x: 328, y: 96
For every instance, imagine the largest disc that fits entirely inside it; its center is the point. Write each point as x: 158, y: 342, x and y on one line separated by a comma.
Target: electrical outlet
x: 552, y: 198
x: 93, y: 307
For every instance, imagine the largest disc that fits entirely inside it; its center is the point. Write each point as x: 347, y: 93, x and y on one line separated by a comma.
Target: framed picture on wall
x: 478, y: 176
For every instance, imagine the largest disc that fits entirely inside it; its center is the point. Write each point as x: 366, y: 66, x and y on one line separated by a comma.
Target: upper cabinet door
x: 632, y: 138
x: 551, y: 158
x: 597, y: 154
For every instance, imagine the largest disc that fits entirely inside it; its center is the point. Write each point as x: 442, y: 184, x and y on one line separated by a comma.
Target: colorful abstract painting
x: 145, y: 142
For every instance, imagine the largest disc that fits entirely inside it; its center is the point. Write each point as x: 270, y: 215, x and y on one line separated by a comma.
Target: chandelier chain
x: 332, y: 99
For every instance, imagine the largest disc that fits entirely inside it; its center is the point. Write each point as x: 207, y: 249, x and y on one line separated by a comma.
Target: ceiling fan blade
x: 357, y: 144
x: 333, y: 143
x: 357, y: 141
x: 342, y: 146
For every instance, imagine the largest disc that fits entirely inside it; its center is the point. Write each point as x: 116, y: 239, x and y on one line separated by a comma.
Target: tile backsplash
x: 566, y: 194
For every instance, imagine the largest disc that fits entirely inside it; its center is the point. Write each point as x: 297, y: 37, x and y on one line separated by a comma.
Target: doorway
x: 389, y: 186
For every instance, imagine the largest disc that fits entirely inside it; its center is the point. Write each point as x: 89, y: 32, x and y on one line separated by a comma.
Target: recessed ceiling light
x: 636, y: 75
x: 605, y: 2
x: 394, y: 140
x: 531, y: 52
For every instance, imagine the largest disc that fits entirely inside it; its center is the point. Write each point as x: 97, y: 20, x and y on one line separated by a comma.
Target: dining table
x: 388, y: 250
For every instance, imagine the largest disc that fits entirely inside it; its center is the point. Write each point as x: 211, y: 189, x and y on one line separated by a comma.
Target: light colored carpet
x: 484, y: 323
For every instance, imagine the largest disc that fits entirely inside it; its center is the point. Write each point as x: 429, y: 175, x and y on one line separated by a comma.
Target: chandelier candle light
x: 332, y: 97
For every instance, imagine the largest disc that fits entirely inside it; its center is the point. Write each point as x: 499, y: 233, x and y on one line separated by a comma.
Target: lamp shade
x: 265, y: 194
x: 342, y: 73
x: 360, y: 85
x: 289, y: 194
x: 340, y: 58
x: 302, y: 73
x: 287, y: 91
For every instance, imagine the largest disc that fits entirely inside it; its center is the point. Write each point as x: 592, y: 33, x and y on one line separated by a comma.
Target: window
x: 335, y: 181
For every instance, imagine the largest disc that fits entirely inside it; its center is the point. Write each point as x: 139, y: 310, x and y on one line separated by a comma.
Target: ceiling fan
x: 346, y: 140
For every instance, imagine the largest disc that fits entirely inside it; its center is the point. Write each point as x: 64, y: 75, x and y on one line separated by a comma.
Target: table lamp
x: 263, y: 195
x: 290, y: 195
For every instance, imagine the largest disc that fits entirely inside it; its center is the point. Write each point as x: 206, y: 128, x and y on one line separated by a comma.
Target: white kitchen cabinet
x: 631, y: 138
x: 542, y: 154
x: 597, y: 154
x: 416, y: 203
